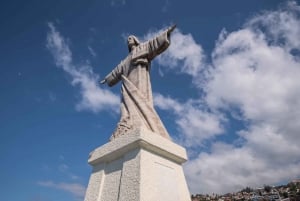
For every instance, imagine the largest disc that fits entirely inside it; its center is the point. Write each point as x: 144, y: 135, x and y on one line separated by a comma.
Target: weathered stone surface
x: 134, y: 71
x: 141, y: 166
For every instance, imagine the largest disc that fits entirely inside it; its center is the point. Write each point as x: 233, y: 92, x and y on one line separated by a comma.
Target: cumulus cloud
x: 184, y: 55
x: 255, y: 71
x: 194, y: 124
x: 283, y: 25
x: 92, y: 51
x: 75, y: 189
x: 228, y: 168
x: 93, y: 98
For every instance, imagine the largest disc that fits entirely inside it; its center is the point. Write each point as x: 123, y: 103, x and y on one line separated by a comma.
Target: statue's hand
x: 103, y: 81
x: 171, y: 29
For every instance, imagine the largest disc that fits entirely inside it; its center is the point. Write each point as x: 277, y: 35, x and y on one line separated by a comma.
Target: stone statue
x: 137, y: 108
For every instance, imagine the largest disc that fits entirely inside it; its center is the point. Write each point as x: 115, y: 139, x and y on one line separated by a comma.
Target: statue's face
x: 131, y: 42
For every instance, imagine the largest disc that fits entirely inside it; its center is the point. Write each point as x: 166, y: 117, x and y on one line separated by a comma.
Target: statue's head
x: 132, y: 41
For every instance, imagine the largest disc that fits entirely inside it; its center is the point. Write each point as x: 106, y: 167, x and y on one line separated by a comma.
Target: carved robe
x: 137, y: 108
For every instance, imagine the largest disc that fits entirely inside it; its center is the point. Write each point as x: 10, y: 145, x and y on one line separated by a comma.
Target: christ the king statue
x: 137, y: 108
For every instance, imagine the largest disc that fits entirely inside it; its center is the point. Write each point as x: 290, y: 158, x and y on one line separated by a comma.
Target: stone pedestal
x: 140, y: 166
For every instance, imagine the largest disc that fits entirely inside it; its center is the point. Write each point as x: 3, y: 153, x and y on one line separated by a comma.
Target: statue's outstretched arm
x: 115, y: 75
x: 171, y: 29
x: 103, y: 81
x: 160, y: 42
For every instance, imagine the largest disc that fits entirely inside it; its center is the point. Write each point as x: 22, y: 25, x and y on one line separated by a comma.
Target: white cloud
x: 229, y: 169
x: 75, y: 189
x: 195, y: 125
x: 184, y: 55
x: 64, y: 169
x: 255, y: 71
x: 92, y: 51
x: 92, y: 96
x: 280, y: 25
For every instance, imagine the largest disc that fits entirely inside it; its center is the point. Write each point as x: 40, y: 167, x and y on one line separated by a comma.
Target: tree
x: 285, y: 195
x: 247, y: 190
x: 267, y: 188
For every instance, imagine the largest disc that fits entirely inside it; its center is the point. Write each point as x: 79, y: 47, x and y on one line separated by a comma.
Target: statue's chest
x: 139, y: 52
x: 138, y: 62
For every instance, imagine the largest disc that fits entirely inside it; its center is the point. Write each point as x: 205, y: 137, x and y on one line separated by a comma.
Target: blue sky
x: 227, y: 89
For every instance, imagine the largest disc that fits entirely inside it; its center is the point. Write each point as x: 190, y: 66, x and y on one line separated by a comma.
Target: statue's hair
x: 136, y: 40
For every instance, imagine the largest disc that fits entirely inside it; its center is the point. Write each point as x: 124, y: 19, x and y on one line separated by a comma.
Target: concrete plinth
x: 140, y: 166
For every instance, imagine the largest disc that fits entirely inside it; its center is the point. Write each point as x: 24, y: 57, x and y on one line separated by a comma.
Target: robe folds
x: 137, y: 108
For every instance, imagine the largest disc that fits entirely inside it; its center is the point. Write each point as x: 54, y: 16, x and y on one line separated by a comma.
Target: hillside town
x: 289, y: 192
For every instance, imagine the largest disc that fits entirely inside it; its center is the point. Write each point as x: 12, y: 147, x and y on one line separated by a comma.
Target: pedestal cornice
x: 141, y: 138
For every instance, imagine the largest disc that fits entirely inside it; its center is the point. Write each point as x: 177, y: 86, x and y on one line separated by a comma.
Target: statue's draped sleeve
x: 115, y: 75
x: 151, y: 48
x: 158, y: 44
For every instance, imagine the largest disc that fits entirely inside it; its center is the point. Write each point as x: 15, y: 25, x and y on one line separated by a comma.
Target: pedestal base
x: 141, y: 166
